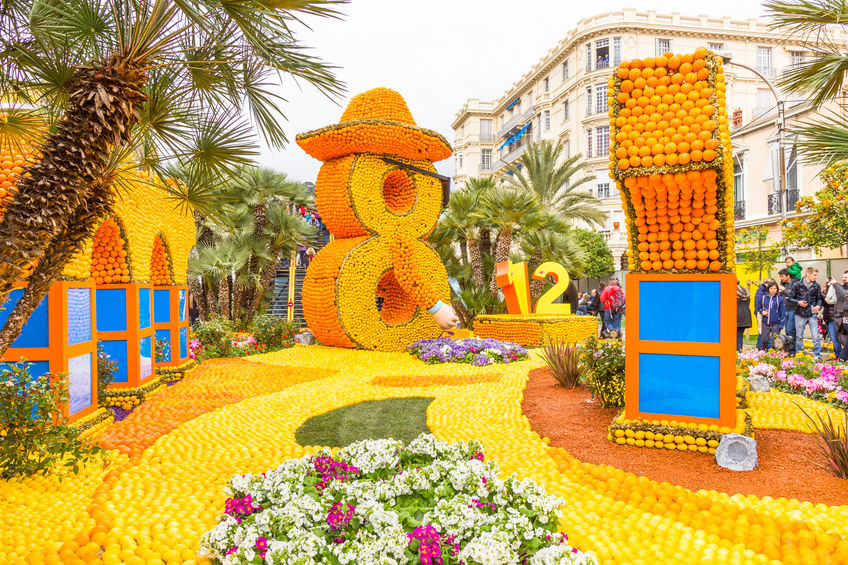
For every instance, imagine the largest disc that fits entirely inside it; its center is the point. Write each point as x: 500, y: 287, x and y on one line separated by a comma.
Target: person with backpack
x: 598, y: 308
x: 762, y: 289
x: 808, y: 300
x: 613, y: 301
x: 773, y: 311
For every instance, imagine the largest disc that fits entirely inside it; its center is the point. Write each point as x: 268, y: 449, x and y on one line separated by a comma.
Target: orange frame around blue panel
x: 698, y: 348
x: 58, y: 353
x: 132, y: 334
x: 177, y: 323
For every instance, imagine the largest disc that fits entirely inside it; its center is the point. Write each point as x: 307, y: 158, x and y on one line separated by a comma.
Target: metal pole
x: 781, y: 125
x: 290, y: 303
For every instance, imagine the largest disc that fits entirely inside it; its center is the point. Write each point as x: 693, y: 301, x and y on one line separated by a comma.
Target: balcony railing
x: 775, y: 204
x: 516, y: 122
x: 739, y: 210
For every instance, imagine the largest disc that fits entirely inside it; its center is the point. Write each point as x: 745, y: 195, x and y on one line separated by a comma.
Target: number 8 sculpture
x: 381, y: 214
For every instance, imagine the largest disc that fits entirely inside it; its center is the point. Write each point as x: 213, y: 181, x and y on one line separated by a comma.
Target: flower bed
x: 801, y: 374
x: 379, y: 501
x: 479, y: 352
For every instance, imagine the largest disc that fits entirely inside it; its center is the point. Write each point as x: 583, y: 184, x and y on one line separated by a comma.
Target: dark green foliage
x: 398, y: 418
x: 276, y: 333
x: 833, y: 441
x: 563, y: 360
x: 34, y: 435
x: 598, y: 262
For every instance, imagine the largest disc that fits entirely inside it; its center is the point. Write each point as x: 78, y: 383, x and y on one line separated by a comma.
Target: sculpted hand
x: 446, y: 317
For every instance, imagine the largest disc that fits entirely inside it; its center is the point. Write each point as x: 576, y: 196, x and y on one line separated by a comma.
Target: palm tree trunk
x: 264, y: 285
x: 238, y: 294
x: 211, y: 299
x: 476, y: 260
x: 103, y: 105
x: 463, y: 251
x: 503, y: 243
x: 195, y: 287
x: 82, y: 226
x: 224, y: 297
x: 485, y: 241
x: 536, y: 286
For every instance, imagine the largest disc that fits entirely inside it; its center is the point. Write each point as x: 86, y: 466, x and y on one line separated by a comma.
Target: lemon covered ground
x: 153, y: 507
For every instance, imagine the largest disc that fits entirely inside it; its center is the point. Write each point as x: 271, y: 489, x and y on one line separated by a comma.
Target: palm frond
x: 806, y: 17
x: 820, y: 78
x: 822, y: 141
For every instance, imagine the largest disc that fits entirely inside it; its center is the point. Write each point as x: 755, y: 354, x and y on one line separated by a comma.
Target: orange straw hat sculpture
x: 376, y: 121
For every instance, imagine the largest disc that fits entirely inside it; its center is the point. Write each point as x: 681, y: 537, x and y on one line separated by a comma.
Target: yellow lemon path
x: 154, y: 508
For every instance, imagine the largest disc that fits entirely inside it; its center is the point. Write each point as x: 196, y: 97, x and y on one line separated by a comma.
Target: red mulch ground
x: 789, y: 464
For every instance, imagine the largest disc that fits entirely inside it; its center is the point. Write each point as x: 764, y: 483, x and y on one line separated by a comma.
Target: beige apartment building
x: 564, y: 97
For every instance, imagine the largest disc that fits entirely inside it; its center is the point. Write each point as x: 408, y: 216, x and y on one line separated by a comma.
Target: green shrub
x: 603, y: 365
x: 161, y: 350
x: 34, y: 435
x: 106, y: 369
x: 832, y: 441
x: 215, y: 334
x: 274, y: 332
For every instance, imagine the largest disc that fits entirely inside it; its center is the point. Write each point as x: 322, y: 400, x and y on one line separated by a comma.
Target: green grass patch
x: 397, y: 418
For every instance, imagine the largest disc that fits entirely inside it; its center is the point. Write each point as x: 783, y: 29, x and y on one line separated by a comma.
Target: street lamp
x: 781, y: 126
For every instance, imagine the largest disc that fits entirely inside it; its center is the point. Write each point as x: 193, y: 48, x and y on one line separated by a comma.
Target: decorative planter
x: 534, y: 330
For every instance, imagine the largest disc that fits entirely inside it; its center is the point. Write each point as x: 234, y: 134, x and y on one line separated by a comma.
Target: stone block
x: 737, y: 452
x: 305, y: 338
x: 758, y: 383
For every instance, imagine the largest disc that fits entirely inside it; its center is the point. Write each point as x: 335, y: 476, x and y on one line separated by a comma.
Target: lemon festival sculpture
x: 125, y: 288
x: 671, y: 158
x: 375, y: 196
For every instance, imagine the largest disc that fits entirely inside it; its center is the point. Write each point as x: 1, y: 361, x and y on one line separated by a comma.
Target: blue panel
x: 144, y: 313
x: 183, y: 343
x: 162, y: 306
x: 165, y: 337
x: 117, y: 352
x: 79, y: 315
x: 146, y: 357
x: 111, y: 309
x: 679, y: 385
x: 36, y: 368
x: 35, y: 332
x: 680, y: 311
x: 183, y: 308
x: 79, y: 383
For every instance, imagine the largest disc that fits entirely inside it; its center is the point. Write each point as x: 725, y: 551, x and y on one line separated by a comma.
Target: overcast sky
x: 438, y: 54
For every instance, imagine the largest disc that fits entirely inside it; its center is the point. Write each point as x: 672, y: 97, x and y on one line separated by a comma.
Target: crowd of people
x: 305, y: 253
x: 607, y: 304
x: 793, y: 304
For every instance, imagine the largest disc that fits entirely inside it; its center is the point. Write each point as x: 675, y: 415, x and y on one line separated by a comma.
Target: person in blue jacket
x: 773, y: 310
x: 758, y: 299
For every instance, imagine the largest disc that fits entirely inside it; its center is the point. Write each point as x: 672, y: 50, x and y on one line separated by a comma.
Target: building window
x: 547, y: 120
x: 603, y: 141
x: 547, y: 84
x: 616, y: 51
x: 601, y: 99
x: 589, y: 142
x: 538, y: 127
x: 565, y: 110
x: 763, y: 101
x: 796, y: 58
x: 764, y: 61
x: 565, y: 70
x: 588, y: 100
x: 459, y: 156
x: 566, y: 148
x: 663, y: 46
x: 486, y: 160
x: 485, y: 130
x: 603, y: 190
x: 588, y: 57
x: 462, y: 131
x: 602, y: 53
x: 738, y: 180
x: 715, y: 47
x: 791, y: 171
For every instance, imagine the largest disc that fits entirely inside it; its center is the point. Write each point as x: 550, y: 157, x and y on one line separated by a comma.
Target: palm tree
x: 821, y: 77
x: 557, y: 188
x: 509, y: 209
x: 479, y: 186
x: 560, y: 247
x: 153, y: 79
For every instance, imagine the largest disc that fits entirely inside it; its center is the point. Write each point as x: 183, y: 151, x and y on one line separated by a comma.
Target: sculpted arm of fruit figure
x: 410, y: 279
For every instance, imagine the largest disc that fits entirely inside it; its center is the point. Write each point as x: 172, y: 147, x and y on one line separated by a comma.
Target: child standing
x: 773, y: 310
x: 793, y: 268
